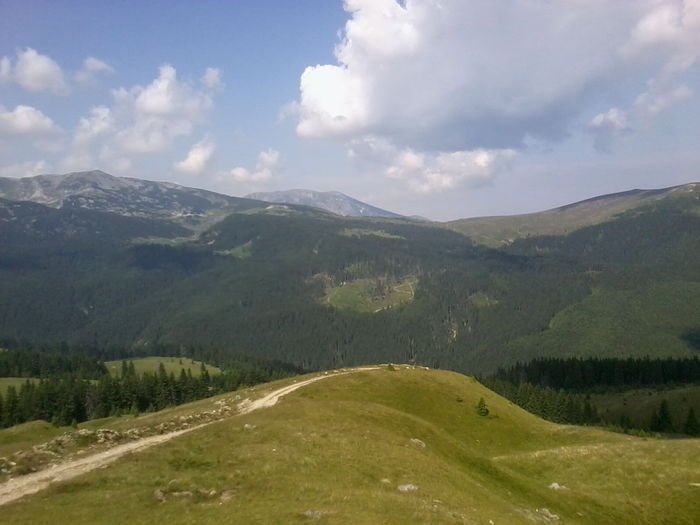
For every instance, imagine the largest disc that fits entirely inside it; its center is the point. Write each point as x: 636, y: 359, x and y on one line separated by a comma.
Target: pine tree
x: 691, y: 426
x: 661, y: 421
x: 481, y: 408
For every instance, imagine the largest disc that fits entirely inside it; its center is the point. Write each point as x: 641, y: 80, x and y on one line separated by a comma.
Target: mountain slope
x: 268, y: 283
x: 498, y: 231
x: 381, y: 446
x: 332, y: 201
x: 96, y: 190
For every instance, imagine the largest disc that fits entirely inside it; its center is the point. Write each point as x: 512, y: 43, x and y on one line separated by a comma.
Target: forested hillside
x: 259, y: 282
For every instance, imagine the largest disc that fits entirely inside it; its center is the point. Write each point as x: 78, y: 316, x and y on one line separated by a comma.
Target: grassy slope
x: 171, y: 364
x: 342, y: 446
x: 17, y: 382
x: 497, y: 231
x: 358, y: 295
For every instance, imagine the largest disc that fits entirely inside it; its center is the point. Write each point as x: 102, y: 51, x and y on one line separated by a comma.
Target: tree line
x: 586, y: 374
x: 559, y: 389
x: 71, y: 388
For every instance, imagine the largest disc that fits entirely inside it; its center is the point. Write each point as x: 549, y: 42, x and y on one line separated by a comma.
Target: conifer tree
x: 481, y: 408
x: 661, y: 421
x: 691, y: 426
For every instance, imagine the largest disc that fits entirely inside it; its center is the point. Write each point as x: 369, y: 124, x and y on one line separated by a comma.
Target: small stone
x: 158, y: 495
x: 417, y: 442
x: 226, y: 495
x: 410, y: 487
x: 557, y: 486
x: 248, y: 426
x: 386, y: 481
x: 549, y: 516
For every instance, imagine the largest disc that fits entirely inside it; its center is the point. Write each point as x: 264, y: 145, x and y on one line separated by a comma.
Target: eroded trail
x: 31, y: 483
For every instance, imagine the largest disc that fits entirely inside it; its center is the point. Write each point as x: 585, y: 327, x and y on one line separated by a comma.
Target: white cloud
x: 444, y: 171
x: 152, y: 117
x: 197, y: 159
x: 77, y: 161
x: 267, y: 167
x: 661, y: 96
x: 425, y: 172
x: 91, y: 68
x: 35, y: 72
x: 5, y: 70
x: 450, y: 75
x: 99, y: 123
x: 606, y: 126
x: 25, y: 120
x: 212, y: 78
x: 25, y: 169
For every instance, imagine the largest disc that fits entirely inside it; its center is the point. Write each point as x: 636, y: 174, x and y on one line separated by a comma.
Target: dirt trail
x: 31, y: 483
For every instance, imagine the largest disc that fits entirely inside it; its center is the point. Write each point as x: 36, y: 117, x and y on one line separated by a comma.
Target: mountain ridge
x: 504, y: 229
x: 333, y: 201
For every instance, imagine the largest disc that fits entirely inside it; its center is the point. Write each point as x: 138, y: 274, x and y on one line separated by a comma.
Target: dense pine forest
x: 560, y: 389
x: 68, y: 388
x: 259, y: 283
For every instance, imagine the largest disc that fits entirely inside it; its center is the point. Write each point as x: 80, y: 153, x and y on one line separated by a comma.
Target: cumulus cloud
x: 25, y: 169
x: 453, y: 75
x: 212, y: 78
x: 433, y: 172
x: 34, y: 72
x: 197, y: 159
x: 25, y: 120
x: 141, y: 120
x: 608, y: 125
x: 267, y: 167
x: 99, y: 123
x: 155, y: 115
x: 92, y: 67
x: 436, y: 77
x: 5, y: 70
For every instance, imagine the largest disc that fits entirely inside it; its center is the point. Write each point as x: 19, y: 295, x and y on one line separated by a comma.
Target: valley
x: 149, y: 337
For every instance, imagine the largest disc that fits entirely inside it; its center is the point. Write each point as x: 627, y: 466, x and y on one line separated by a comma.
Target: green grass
x: 343, y: 445
x: 499, y: 231
x: 171, y: 364
x: 17, y: 382
x: 363, y: 232
x: 370, y: 295
x: 243, y: 251
x: 640, y: 405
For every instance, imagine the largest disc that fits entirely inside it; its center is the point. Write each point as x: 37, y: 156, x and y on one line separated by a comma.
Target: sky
x: 439, y: 108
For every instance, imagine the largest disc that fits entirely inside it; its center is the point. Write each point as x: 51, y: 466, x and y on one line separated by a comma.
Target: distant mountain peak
x: 100, y: 191
x: 332, y: 201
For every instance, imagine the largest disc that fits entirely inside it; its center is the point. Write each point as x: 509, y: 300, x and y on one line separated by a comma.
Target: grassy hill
x: 382, y: 446
x: 498, y: 231
x: 17, y: 382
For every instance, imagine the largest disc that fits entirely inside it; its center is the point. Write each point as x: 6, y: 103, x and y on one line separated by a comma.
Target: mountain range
x: 332, y: 201
x: 113, y: 262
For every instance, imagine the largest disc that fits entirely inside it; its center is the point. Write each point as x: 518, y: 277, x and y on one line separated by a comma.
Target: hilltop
x: 332, y: 201
x: 498, y: 231
x: 381, y: 446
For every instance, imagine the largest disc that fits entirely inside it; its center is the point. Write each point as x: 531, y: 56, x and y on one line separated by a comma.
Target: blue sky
x: 443, y: 108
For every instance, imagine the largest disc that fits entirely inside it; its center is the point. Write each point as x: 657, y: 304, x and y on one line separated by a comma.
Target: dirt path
x: 31, y: 483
